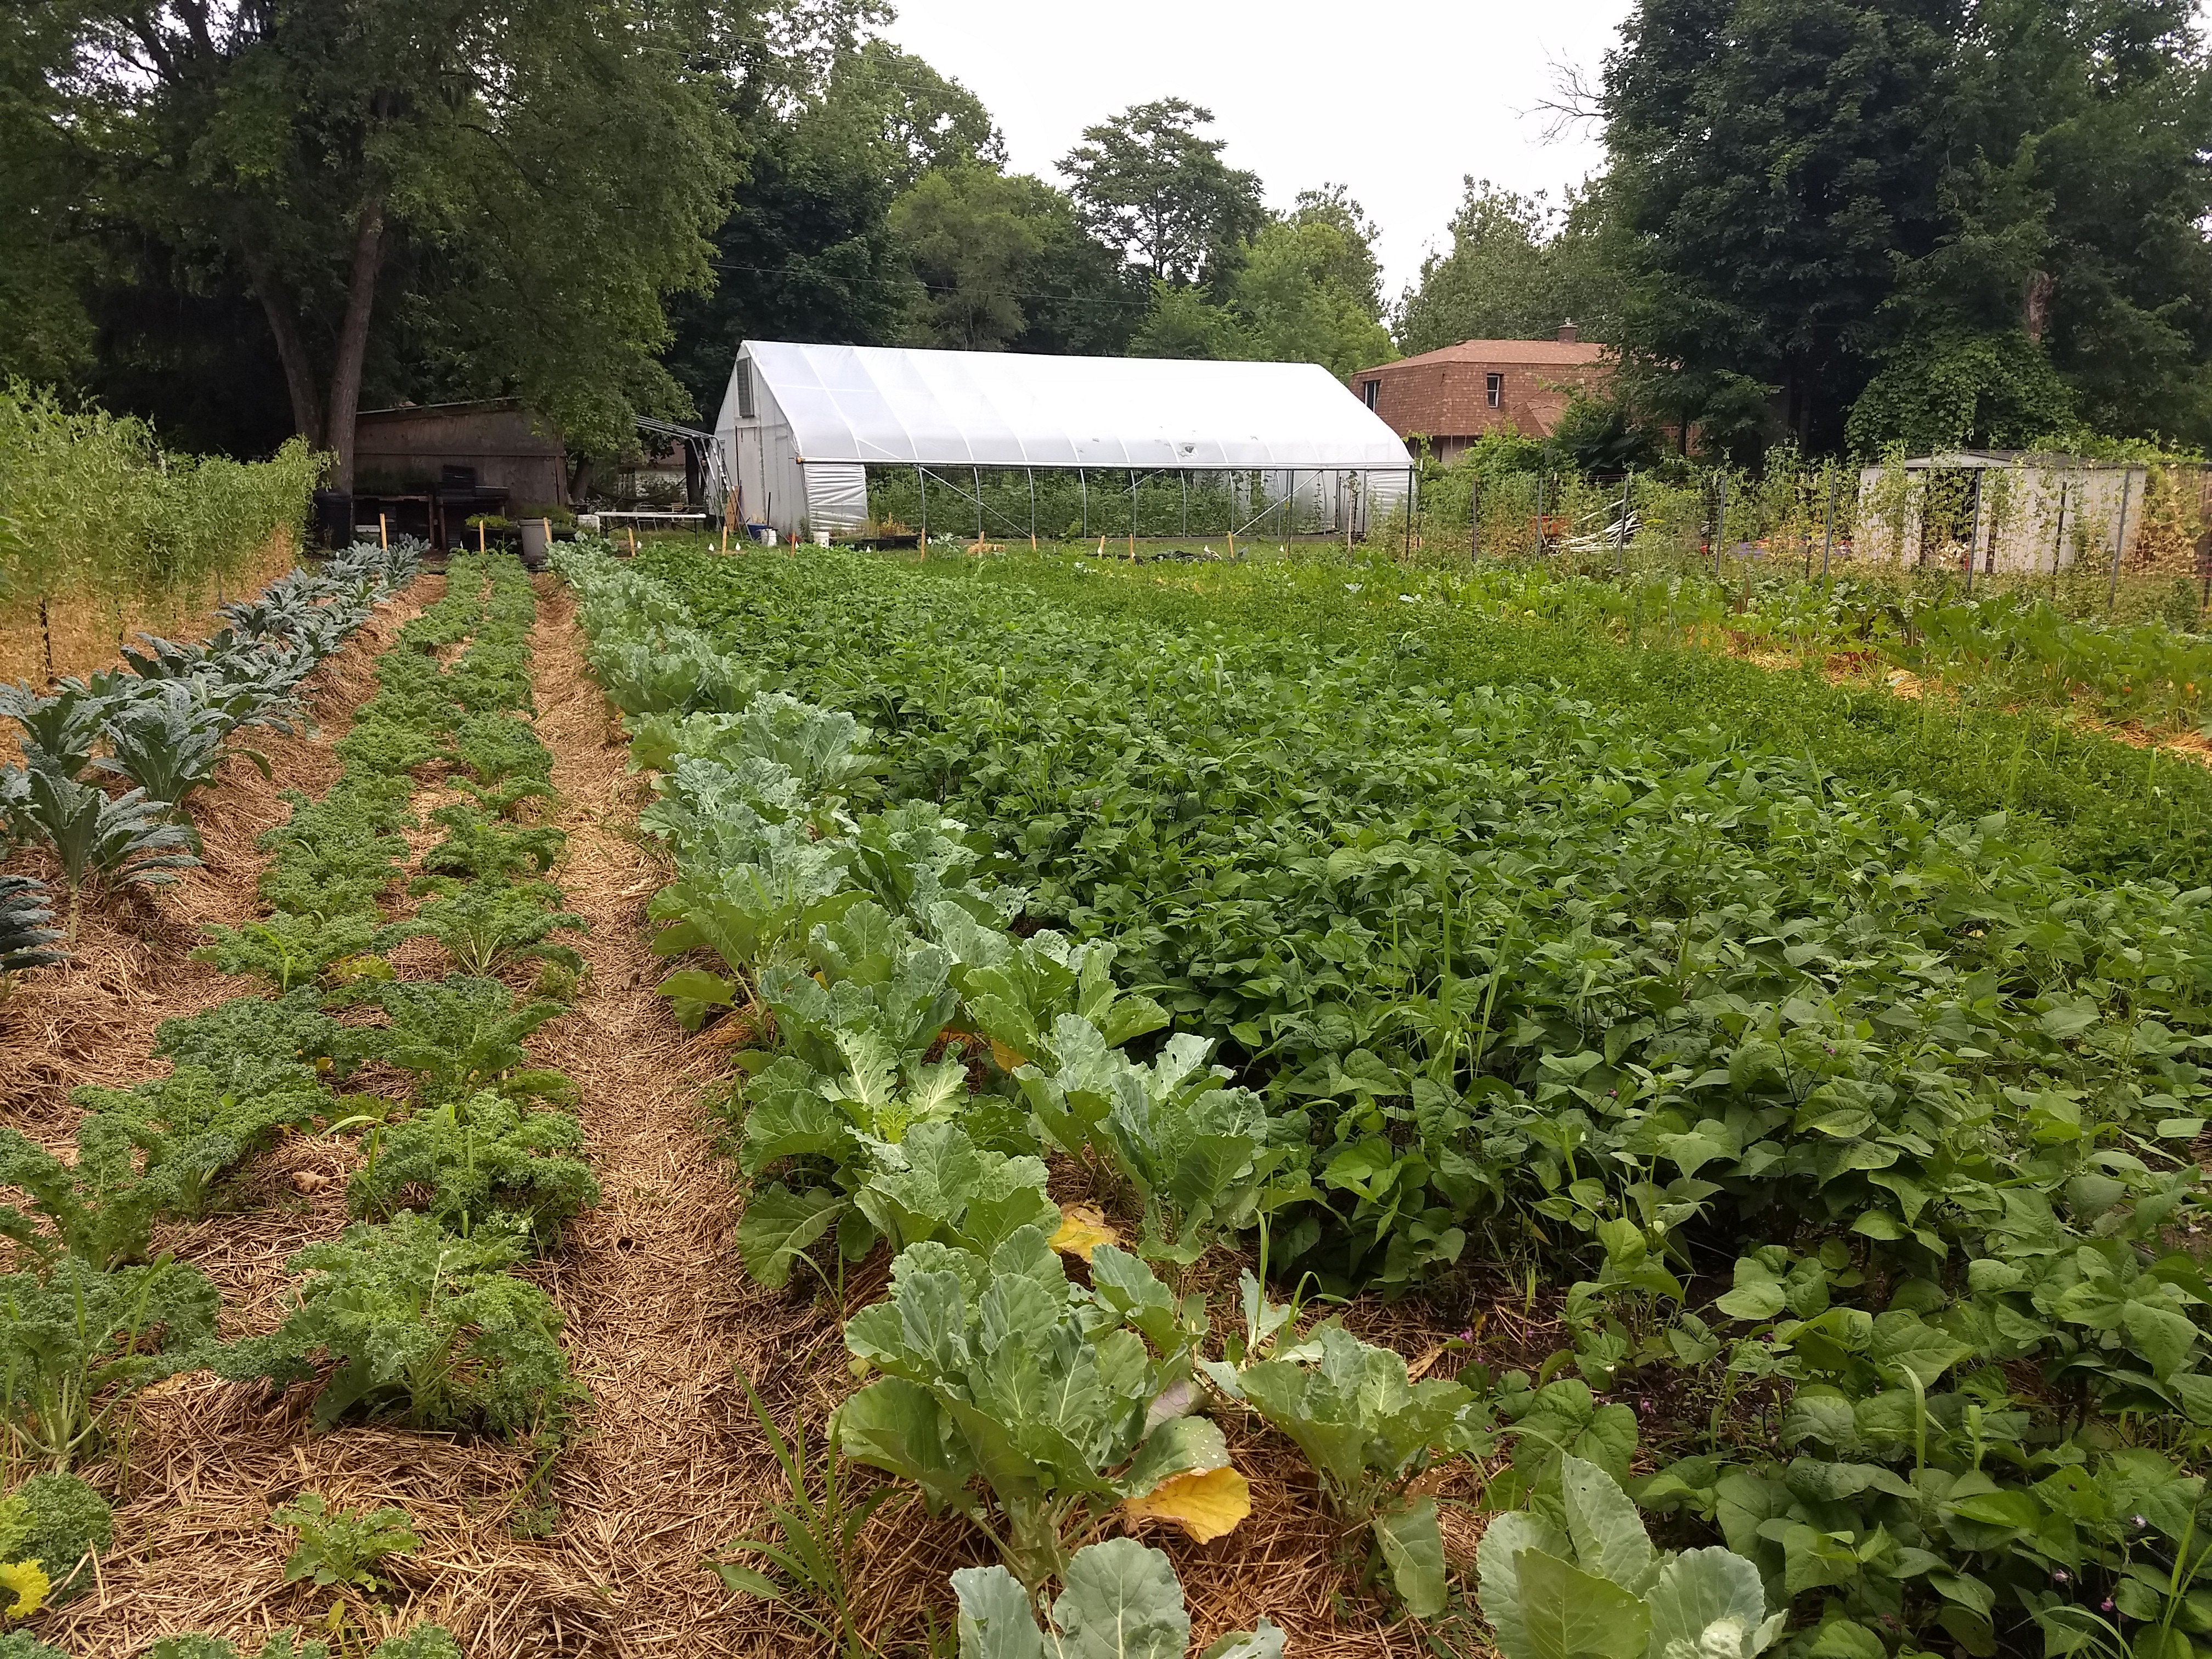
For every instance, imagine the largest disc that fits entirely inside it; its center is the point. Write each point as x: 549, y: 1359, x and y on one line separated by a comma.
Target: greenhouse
x: 855, y: 442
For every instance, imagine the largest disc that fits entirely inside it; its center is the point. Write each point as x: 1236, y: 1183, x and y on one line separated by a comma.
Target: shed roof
x: 885, y: 405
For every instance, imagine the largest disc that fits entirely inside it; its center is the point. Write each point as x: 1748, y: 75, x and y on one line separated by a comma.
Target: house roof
x: 1545, y: 354
x: 884, y: 404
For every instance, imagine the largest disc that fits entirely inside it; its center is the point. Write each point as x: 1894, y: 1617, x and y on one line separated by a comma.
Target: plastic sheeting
x: 879, y: 405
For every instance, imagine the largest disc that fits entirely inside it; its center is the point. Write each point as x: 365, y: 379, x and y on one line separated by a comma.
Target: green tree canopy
x: 1150, y: 185
x: 1517, y: 268
x: 556, y: 165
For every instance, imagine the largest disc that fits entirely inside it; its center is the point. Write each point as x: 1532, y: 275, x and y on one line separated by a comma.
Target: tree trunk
x: 291, y: 351
x: 353, y: 340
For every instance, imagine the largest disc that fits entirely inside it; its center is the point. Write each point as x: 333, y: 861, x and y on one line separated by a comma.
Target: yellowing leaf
x: 1083, y: 1230
x: 1204, y: 1505
x: 1006, y: 1059
x: 30, y: 1584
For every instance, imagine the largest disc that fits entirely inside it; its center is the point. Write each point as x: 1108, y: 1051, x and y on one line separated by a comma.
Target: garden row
x: 416, y: 1315
x: 2100, y: 807
x: 1861, y: 1130
x: 162, y: 726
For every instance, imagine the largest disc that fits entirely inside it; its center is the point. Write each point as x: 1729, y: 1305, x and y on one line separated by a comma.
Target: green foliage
x: 810, y: 1554
x: 58, y: 1521
x: 27, y: 931
x: 481, y: 848
x: 337, y: 856
x: 1002, y: 1371
x: 194, y: 1124
x: 1121, y: 1599
x: 1148, y: 184
x: 76, y: 1342
x: 253, y: 1043
x: 1582, y: 1576
x: 485, y: 925
x: 342, y: 1547
x: 97, y: 1207
x: 423, y: 1642
x: 469, y: 1160
x: 460, y: 1034
x: 1517, y: 268
x: 1368, y: 1431
x: 422, y: 1326
x: 292, y: 950
x: 124, y: 839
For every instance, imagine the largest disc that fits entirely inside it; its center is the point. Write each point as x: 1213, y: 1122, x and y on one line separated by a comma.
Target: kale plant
x: 59, y: 1521
x: 465, y: 1161
x: 419, y: 1326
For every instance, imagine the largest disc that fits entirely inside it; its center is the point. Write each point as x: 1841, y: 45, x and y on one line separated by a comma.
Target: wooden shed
x: 495, y: 445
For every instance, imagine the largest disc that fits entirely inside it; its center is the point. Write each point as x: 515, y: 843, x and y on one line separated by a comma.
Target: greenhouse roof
x: 884, y: 406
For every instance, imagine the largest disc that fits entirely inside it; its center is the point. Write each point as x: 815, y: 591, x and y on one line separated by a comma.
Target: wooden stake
x: 480, y: 536
x: 384, y: 532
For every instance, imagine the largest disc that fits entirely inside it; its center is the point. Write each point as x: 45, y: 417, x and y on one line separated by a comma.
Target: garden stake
x: 383, y: 531
x: 2119, y: 542
x: 1828, y: 524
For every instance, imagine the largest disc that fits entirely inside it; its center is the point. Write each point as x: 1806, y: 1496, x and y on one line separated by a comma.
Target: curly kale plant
x: 58, y: 1522
x: 463, y: 1161
x: 100, y: 1208
x: 420, y: 1325
x: 484, y: 849
x: 489, y: 924
x: 194, y: 1122
x: 253, y: 1043
x: 461, y: 1034
x: 423, y: 1642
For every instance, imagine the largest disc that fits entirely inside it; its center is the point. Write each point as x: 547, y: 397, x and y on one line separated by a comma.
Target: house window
x: 1493, y: 390
x: 1368, y: 390
x: 745, y: 391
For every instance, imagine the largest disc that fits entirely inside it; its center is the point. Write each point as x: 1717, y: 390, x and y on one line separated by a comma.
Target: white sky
x: 1397, y: 101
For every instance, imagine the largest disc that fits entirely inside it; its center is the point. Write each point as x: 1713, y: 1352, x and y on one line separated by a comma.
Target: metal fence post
x: 1828, y: 524
x: 2119, y: 540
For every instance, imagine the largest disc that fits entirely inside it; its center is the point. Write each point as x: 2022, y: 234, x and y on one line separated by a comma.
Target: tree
x: 1149, y: 186
x: 971, y: 235
x: 562, y: 160
x: 45, y: 334
x: 1183, y: 323
x: 1517, y: 268
x: 1305, y: 289
x: 807, y: 250
x: 1773, y: 160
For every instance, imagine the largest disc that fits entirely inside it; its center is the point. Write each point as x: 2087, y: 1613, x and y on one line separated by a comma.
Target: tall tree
x: 1518, y: 266
x: 564, y: 157
x: 971, y: 236
x: 1774, y: 159
x: 46, y: 253
x: 1150, y: 186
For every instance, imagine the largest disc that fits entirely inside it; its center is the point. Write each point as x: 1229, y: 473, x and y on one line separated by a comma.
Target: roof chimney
x: 1568, y: 335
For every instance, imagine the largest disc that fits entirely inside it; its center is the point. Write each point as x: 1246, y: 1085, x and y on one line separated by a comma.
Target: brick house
x: 1452, y: 396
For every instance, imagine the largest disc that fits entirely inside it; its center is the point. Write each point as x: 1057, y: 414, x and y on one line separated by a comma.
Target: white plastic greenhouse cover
x: 876, y: 405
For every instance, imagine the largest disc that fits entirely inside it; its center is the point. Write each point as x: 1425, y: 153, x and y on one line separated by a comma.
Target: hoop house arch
x: 831, y: 441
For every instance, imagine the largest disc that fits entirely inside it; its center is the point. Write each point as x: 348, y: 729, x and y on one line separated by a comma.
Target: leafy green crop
x: 198, y: 1127
x: 485, y: 925
x: 421, y: 1326
x: 292, y: 950
x: 1368, y: 1431
x: 1002, y: 1371
x: 100, y: 1207
x: 463, y: 1033
x: 124, y: 839
x: 253, y: 1043
x: 341, y: 1547
x: 27, y: 931
x: 1121, y: 1599
x: 423, y: 1642
x: 59, y: 1521
x: 76, y: 1343
x: 1590, y: 1582
x: 484, y: 849
x: 464, y: 1162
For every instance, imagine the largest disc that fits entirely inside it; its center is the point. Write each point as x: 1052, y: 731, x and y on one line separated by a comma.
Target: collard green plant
x: 59, y: 1521
x: 420, y: 1325
x: 1590, y: 1582
x: 469, y: 1159
x: 76, y: 1343
x: 1121, y: 1599
x: 1002, y: 1372
x: 336, y: 1547
x: 1369, y: 1431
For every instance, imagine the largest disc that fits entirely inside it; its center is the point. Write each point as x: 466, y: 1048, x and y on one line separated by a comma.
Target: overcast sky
x: 1397, y: 101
